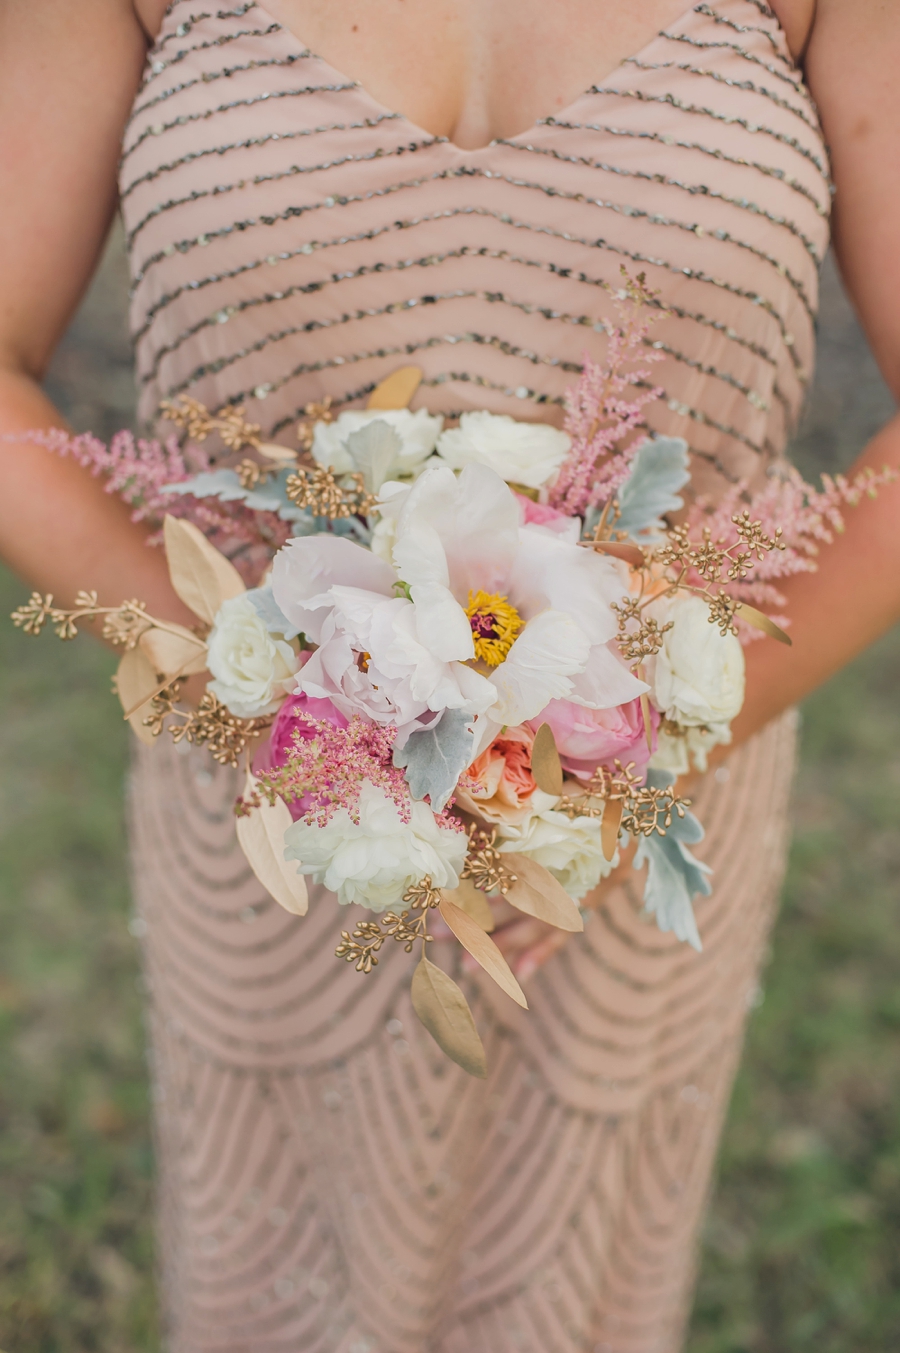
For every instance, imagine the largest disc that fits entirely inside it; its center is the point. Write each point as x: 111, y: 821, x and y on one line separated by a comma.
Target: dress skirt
x: 328, y: 1180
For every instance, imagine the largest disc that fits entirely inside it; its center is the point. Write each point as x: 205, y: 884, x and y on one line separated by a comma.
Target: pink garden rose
x: 274, y: 753
x: 586, y: 738
x: 503, y: 785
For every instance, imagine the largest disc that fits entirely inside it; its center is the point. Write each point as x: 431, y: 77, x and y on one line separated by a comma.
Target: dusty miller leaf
x: 658, y: 471
x: 674, y: 875
x: 374, y: 448
x: 435, y: 757
x: 270, y: 613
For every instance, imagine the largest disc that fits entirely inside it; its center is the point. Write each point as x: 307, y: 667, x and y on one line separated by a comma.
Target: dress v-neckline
x: 394, y: 113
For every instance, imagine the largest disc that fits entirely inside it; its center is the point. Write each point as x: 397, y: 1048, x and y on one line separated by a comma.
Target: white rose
x: 569, y: 848
x: 521, y: 453
x: 418, y: 433
x: 250, y: 665
x: 374, y: 861
x: 675, y: 751
x: 698, y: 675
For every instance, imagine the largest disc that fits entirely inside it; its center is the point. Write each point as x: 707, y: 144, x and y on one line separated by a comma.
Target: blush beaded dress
x: 328, y: 1181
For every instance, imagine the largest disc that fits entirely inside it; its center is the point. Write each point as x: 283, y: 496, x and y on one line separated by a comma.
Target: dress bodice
x: 291, y: 238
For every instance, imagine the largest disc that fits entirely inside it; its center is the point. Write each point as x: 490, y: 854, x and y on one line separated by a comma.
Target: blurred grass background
x: 802, y: 1246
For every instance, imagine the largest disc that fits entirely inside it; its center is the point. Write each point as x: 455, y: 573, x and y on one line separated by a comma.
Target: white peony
x: 569, y: 848
x: 417, y: 432
x: 521, y: 453
x: 374, y: 861
x: 250, y: 666
x: 371, y: 658
x: 698, y: 675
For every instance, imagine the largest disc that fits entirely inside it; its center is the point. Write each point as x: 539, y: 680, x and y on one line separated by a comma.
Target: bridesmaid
x: 326, y: 1181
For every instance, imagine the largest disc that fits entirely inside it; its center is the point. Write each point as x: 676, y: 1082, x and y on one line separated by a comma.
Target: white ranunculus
x: 521, y: 453
x: 698, y: 675
x: 250, y: 666
x: 374, y: 861
x: 569, y: 848
x: 418, y: 433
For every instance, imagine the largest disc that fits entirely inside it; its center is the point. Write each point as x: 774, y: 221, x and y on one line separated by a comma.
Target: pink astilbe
x: 328, y: 766
x: 137, y: 469
x: 600, y: 419
x: 808, y: 518
x: 134, y: 468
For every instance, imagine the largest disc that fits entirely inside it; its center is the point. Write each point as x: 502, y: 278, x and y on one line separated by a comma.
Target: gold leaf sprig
x: 211, y: 724
x: 318, y: 491
x: 230, y: 422
x: 362, y: 945
x: 316, y: 412
x: 645, y: 808
x: 123, y: 625
x: 484, y: 864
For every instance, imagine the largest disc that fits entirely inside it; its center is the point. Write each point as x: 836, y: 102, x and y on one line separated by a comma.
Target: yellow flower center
x: 495, y: 626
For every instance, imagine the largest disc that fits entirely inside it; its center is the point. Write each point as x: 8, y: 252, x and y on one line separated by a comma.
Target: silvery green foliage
x: 658, y: 471
x: 270, y: 613
x: 271, y: 497
x: 435, y: 757
x: 374, y: 449
x: 674, y: 876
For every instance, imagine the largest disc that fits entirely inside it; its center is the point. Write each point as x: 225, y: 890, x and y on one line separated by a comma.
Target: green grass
x: 75, y: 1160
x: 802, y: 1247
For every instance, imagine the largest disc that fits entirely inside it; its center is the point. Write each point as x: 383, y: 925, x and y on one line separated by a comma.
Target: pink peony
x: 587, y: 738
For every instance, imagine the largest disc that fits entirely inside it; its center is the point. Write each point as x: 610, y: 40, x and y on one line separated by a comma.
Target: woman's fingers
x: 525, y: 943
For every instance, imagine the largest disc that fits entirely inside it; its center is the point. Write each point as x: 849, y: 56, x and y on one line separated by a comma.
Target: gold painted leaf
x: 620, y: 549
x: 279, y: 455
x: 136, y: 685
x: 538, y: 893
x: 444, y: 1011
x: 545, y: 763
x: 609, y: 827
x: 397, y: 389
x: 202, y: 577
x: 473, y: 902
x: 261, y: 838
x: 762, y: 622
x: 482, y: 948
x: 174, y: 650
x: 648, y: 722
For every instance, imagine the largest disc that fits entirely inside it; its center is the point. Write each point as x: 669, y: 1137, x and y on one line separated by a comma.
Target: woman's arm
x: 851, y: 65
x: 68, y: 73
x: 852, y: 58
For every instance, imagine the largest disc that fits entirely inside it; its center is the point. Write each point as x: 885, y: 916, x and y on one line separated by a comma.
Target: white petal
x: 605, y: 681
x: 552, y: 572
x: 539, y: 667
x: 306, y: 568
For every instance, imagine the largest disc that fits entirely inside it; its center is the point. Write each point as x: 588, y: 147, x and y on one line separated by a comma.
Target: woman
x: 450, y: 185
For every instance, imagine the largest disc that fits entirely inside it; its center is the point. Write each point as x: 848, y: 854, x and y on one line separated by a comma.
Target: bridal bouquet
x: 454, y: 662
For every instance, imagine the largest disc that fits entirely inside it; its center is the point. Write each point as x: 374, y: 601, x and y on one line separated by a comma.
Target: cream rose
x: 521, y: 453
x: 698, y: 676
x: 372, y: 862
x: 569, y: 848
x: 250, y: 666
x: 418, y: 433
